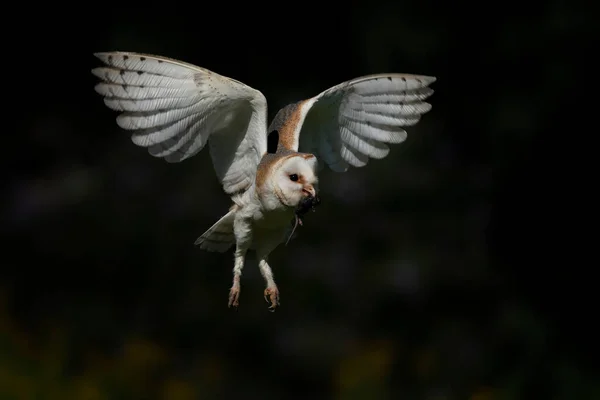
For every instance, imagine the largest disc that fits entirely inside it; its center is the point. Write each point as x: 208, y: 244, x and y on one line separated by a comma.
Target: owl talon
x: 273, y: 297
x: 234, y: 297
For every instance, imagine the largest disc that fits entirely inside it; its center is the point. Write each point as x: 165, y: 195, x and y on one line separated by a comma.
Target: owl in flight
x: 175, y: 109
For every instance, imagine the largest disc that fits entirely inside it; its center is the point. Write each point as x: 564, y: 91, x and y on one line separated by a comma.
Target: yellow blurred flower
x: 365, y: 370
x: 176, y: 389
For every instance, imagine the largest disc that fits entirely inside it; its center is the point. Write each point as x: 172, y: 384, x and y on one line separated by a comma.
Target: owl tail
x: 219, y: 237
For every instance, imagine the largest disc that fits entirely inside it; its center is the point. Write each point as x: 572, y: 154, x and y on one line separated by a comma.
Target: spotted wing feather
x: 355, y: 121
x: 174, y: 109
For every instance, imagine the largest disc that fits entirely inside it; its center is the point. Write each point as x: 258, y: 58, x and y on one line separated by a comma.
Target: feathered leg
x: 264, y: 248
x: 271, y: 292
x: 234, y: 292
x: 243, y: 237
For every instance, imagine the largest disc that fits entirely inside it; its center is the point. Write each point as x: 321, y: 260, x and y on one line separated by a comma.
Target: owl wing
x: 356, y: 120
x: 174, y: 108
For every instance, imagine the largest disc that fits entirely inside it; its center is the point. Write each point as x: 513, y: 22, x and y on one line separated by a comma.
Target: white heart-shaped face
x: 296, y: 178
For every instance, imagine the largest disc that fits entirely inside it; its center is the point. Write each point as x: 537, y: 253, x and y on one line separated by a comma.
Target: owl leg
x: 271, y: 292
x: 234, y: 292
x: 243, y: 237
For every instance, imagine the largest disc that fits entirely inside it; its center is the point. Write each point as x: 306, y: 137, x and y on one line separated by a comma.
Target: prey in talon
x: 174, y: 110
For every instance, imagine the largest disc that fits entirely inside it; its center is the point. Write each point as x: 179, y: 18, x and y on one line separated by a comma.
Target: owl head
x: 291, y: 179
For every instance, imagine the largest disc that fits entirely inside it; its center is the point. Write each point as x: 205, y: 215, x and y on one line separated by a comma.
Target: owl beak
x: 309, y: 190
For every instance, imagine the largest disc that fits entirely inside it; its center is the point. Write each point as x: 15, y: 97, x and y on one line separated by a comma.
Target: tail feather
x: 220, y: 236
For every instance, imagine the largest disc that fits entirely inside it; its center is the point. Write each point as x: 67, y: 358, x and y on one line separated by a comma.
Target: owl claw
x: 234, y: 297
x: 272, y: 297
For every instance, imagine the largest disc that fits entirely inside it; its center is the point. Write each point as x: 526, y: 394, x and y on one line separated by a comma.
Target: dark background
x: 431, y: 274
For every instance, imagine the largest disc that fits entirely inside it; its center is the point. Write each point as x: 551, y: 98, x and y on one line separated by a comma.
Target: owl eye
x: 293, y: 177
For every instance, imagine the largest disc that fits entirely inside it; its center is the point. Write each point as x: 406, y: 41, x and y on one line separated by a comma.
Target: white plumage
x: 352, y: 122
x: 174, y: 109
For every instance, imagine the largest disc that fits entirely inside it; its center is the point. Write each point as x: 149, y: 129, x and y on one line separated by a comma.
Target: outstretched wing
x: 355, y: 120
x: 174, y: 109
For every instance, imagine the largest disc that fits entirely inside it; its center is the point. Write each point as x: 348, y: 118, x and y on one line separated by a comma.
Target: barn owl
x: 174, y: 109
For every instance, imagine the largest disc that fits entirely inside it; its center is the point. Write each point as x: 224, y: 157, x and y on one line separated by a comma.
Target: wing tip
x: 103, y: 55
x: 97, y: 72
x: 100, y: 54
x: 426, y: 80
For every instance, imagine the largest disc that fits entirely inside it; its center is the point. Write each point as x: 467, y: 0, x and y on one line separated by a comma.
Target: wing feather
x: 407, y: 96
x: 378, y: 132
x: 149, y: 105
x: 354, y: 121
x: 139, y: 78
x: 143, y: 93
x: 370, y: 147
x: 174, y: 109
